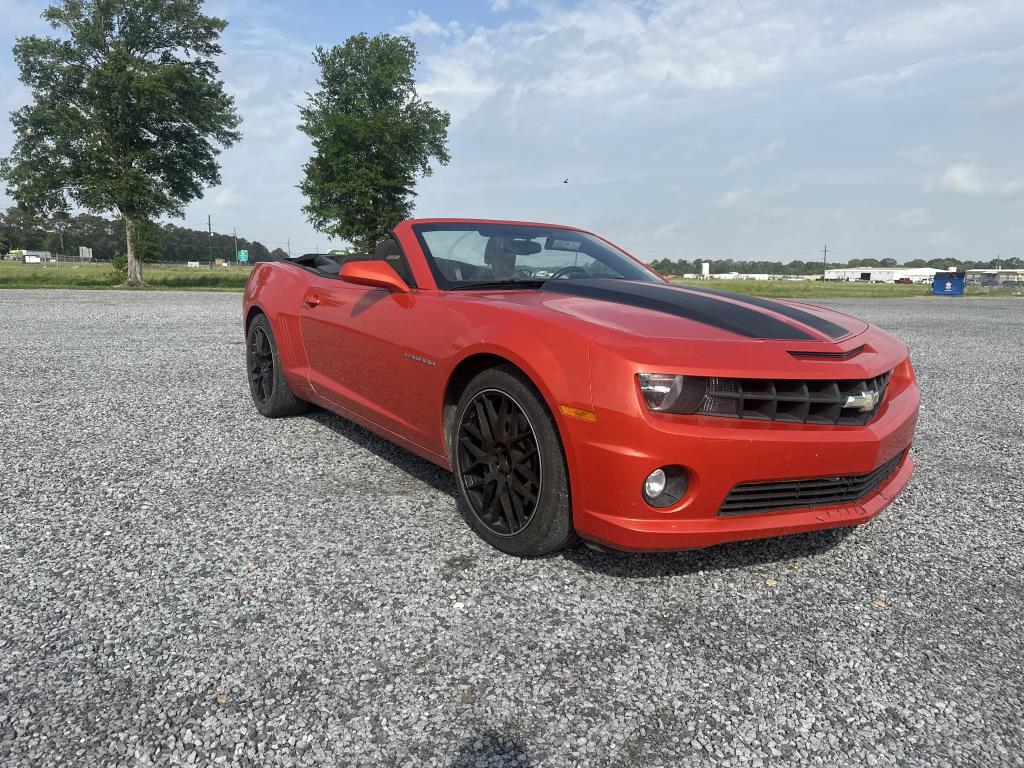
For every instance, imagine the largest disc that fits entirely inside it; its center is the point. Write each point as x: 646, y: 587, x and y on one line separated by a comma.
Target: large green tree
x: 372, y: 137
x: 128, y: 112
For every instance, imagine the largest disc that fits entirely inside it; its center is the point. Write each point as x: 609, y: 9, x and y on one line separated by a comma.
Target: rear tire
x: 270, y: 392
x: 510, y: 467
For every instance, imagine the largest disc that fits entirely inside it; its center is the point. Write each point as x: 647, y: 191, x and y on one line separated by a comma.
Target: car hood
x: 662, y: 311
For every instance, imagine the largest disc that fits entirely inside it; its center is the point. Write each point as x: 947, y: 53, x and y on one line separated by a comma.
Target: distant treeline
x: 721, y: 266
x: 106, y: 237
x: 167, y: 242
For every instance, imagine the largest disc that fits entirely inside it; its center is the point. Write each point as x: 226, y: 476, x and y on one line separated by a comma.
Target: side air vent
x: 827, y: 355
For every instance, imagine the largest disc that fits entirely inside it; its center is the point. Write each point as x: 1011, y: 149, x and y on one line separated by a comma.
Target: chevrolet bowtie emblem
x: 865, y: 401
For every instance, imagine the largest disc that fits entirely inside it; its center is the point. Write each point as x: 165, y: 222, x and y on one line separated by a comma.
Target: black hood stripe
x: 661, y: 297
x: 830, y: 329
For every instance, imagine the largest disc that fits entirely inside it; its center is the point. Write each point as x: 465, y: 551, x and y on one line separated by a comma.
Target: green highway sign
x: 243, y: 257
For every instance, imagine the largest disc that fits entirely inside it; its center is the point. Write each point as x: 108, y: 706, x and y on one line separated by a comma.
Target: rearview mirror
x: 375, y: 274
x: 520, y: 247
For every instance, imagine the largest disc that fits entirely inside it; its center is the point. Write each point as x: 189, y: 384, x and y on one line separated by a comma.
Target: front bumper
x: 613, y: 455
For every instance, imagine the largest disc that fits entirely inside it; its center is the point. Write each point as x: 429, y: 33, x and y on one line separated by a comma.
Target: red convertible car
x: 574, y: 392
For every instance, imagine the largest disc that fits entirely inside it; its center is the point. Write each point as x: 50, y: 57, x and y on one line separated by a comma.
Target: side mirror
x: 376, y: 274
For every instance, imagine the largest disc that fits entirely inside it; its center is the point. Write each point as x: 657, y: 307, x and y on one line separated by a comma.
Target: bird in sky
x: 565, y: 181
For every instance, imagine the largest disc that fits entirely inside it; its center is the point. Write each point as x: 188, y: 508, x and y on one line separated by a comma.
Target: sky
x: 743, y: 129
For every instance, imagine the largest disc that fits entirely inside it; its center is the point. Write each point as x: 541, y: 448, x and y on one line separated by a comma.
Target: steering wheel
x: 565, y: 272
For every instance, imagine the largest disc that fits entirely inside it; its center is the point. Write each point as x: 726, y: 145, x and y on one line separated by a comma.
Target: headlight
x: 672, y: 393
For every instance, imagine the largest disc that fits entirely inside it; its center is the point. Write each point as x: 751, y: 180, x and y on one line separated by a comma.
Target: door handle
x: 311, y: 300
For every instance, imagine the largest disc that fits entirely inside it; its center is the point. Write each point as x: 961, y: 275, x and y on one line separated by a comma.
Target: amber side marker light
x: 578, y: 413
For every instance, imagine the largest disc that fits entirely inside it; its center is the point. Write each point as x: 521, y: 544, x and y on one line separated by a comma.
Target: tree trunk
x: 134, y: 265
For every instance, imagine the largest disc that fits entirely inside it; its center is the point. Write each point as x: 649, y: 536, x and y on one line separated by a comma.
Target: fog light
x: 655, y: 484
x: 665, y: 486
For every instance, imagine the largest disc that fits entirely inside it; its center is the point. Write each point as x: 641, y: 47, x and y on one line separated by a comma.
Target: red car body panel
x: 386, y: 359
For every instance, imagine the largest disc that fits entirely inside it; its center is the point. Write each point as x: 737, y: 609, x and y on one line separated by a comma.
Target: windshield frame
x: 644, y: 271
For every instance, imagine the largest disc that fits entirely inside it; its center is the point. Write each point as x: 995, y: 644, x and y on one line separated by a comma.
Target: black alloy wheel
x: 269, y: 389
x: 261, y: 366
x: 500, y: 462
x: 509, y: 465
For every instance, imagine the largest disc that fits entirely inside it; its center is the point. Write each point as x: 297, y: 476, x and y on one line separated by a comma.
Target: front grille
x: 754, y: 498
x: 810, y: 401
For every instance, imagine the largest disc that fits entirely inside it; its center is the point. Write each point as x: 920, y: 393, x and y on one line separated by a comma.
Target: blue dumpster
x: 948, y: 284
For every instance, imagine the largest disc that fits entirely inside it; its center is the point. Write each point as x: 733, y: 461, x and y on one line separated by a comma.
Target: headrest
x: 386, y: 248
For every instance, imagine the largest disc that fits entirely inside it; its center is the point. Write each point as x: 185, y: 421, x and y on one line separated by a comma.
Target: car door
x: 353, y: 337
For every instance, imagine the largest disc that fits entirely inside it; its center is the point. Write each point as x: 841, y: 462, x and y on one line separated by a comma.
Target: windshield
x: 464, y: 255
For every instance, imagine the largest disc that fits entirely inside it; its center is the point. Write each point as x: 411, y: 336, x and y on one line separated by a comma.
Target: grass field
x: 806, y: 289
x: 173, y: 277
x: 158, y: 277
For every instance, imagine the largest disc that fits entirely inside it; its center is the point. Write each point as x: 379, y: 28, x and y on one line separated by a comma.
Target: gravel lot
x: 185, y: 582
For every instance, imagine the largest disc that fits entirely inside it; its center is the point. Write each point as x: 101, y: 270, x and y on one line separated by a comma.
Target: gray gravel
x: 184, y: 582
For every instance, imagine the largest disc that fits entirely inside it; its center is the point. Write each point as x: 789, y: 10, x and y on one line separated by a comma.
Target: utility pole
x: 289, y: 247
x: 209, y: 228
x: 824, y: 262
x: 234, y: 235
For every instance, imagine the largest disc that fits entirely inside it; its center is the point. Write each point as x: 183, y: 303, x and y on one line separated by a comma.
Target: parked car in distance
x: 574, y: 393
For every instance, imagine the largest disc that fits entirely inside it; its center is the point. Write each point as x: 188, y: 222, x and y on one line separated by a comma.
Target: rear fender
x: 276, y: 290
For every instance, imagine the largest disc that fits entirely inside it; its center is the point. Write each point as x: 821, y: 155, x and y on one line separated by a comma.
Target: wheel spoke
x: 473, y: 432
x: 526, y: 473
x: 501, y: 419
x: 519, y: 436
x: 522, y: 487
x: 517, y: 506
x: 489, y: 492
x: 492, y: 418
x: 481, y: 418
x: 476, y: 451
x: 478, y: 483
x: 529, y: 453
x: 507, y: 508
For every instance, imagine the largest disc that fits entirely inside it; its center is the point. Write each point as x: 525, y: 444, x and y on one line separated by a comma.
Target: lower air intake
x: 754, y: 498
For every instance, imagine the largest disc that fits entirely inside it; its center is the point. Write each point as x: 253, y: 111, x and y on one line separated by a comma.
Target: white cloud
x: 224, y: 197
x: 922, y: 156
x: 753, y: 158
x: 421, y: 25
x: 968, y: 178
x: 1004, y: 101
x: 876, y: 84
x: 733, y: 197
x: 926, y: 24
x: 500, y: 5
x: 611, y: 50
x: 913, y: 217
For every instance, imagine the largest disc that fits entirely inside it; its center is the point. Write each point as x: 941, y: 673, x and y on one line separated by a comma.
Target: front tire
x: 509, y: 465
x: 270, y: 392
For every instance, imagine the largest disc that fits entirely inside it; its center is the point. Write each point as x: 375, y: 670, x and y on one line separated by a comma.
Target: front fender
x: 559, y: 369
